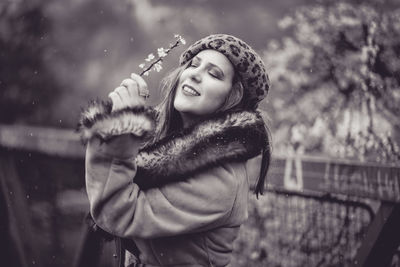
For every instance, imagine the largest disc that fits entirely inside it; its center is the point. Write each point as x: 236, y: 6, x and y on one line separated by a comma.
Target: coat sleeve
x: 120, y: 207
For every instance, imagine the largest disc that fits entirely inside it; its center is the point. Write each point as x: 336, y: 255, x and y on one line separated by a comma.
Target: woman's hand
x: 132, y: 92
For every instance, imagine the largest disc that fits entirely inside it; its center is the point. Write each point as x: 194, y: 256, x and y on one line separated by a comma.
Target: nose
x: 195, y: 75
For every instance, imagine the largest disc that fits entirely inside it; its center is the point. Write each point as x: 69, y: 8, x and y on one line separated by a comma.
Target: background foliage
x: 26, y: 83
x: 336, y: 76
x: 334, y: 64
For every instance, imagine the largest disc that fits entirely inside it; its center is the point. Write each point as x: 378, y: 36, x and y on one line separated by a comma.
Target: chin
x: 183, y: 109
x: 183, y: 106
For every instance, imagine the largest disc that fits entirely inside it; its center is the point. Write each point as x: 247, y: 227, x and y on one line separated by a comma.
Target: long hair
x: 170, y: 121
x: 265, y: 161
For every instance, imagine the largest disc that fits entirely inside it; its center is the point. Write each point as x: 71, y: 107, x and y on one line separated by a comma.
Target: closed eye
x: 215, y: 73
x: 213, y: 70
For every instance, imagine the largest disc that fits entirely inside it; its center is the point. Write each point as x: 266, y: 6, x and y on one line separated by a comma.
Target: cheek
x: 219, y: 93
x: 184, y: 75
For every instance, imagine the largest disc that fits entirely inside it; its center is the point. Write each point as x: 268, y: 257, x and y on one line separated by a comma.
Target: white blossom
x: 156, y: 63
x: 161, y: 52
x: 150, y: 57
x: 183, y: 41
x: 158, y: 66
x: 180, y: 39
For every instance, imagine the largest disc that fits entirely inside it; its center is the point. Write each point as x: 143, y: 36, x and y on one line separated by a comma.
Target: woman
x: 173, y: 185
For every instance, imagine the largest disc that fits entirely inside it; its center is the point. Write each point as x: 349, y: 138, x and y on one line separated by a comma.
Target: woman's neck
x: 188, y: 119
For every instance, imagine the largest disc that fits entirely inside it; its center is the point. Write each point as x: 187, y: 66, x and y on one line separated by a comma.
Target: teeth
x: 190, y: 90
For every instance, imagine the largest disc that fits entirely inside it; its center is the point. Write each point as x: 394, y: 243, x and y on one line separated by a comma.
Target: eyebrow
x: 213, y: 65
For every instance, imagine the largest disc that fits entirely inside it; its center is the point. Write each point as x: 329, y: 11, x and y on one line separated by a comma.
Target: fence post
x: 382, y: 238
x: 17, y: 223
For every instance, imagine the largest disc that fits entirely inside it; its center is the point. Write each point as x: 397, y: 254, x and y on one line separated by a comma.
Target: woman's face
x: 204, y: 85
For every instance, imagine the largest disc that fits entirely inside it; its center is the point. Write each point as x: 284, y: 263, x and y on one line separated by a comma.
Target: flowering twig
x: 156, y: 63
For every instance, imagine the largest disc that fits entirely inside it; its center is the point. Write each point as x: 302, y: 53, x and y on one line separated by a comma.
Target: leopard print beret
x: 247, y: 63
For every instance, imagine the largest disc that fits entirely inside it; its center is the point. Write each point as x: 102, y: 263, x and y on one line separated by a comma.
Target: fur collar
x: 227, y: 137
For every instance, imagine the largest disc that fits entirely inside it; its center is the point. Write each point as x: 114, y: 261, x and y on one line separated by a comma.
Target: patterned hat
x: 247, y: 63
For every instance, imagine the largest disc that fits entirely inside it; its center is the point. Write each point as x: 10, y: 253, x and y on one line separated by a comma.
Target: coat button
x: 114, y: 255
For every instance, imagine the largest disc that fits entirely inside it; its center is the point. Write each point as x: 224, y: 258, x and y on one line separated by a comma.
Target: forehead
x: 216, y: 58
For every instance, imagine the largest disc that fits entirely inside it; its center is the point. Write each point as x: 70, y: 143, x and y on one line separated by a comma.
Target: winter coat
x: 181, y: 200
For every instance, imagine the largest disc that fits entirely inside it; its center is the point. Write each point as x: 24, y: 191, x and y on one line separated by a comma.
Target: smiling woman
x: 172, y: 185
x: 204, y: 85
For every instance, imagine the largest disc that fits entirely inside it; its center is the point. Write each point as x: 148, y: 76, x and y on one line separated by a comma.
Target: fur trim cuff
x: 98, y: 120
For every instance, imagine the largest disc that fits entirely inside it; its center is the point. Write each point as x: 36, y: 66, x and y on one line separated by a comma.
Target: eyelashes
x: 212, y: 70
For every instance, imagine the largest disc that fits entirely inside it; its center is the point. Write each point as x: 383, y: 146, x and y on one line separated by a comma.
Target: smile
x: 188, y: 90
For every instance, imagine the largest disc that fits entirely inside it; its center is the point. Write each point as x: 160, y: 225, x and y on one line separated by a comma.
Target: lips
x: 189, y: 90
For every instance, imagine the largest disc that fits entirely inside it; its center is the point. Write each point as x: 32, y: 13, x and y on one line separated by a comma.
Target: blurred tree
x: 336, y: 81
x: 26, y: 84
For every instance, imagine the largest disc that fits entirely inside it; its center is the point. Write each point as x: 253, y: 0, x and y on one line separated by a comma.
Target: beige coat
x: 190, y: 222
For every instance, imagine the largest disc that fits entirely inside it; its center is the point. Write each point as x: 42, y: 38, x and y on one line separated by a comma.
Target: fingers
x: 132, y: 87
x: 131, y: 93
x: 117, y: 98
x: 143, y: 91
x: 123, y: 97
x: 116, y: 101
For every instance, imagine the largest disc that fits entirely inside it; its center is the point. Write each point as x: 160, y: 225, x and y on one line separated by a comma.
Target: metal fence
x: 291, y: 230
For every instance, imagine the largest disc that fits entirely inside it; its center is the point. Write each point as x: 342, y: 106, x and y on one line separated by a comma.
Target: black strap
x: 91, y: 247
x: 92, y: 244
x: 89, y: 252
x: 130, y: 246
